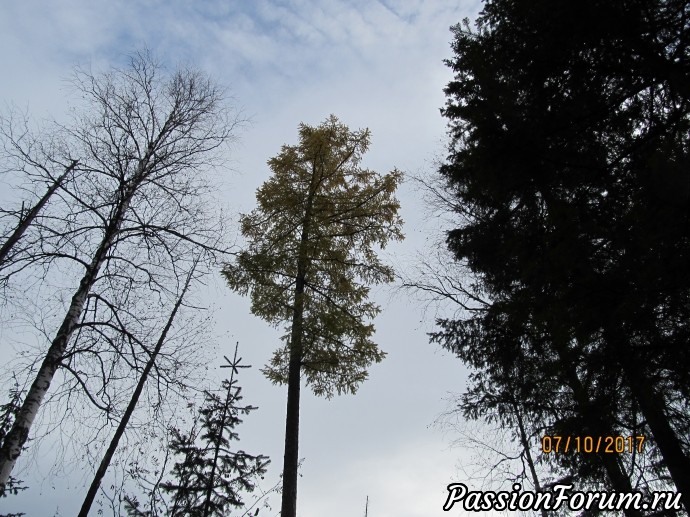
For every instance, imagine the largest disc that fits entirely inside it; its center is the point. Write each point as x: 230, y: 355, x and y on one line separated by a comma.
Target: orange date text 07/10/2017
x: 591, y: 444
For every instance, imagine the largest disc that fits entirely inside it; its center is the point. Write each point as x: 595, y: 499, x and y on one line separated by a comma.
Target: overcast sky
x: 375, y: 64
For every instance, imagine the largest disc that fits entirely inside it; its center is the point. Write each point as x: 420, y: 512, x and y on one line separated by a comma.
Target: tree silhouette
x: 131, y: 221
x: 309, y: 262
x: 569, y: 168
x: 210, y: 477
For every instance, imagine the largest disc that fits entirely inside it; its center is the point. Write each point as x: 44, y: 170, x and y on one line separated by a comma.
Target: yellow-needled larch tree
x: 309, y: 262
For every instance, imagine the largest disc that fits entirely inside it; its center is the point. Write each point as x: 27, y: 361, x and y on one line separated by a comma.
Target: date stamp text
x: 554, y: 444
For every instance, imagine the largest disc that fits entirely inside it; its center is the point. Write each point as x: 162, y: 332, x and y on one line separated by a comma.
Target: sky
x: 376, y: 64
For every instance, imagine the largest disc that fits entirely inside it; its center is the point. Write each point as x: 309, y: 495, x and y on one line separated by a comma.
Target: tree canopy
x: 569, y: 165
x: 319, y: 218
x: 309, y: 261
x: 124, y: 217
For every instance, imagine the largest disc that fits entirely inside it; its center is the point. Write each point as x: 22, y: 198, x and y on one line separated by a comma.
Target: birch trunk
x: 105, y: 462
x: 26, y: 220
x: 18, y: 434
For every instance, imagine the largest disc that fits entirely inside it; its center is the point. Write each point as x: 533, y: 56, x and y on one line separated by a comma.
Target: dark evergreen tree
x: 210, y: 476
x: 570, y: 165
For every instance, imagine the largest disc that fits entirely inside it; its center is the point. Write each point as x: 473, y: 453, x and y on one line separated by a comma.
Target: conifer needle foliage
x: 317, y: 223
x: 309, y: 261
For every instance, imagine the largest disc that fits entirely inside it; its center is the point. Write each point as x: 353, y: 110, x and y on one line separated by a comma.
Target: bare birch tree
x: 135, y: 220
x: 40, y: 166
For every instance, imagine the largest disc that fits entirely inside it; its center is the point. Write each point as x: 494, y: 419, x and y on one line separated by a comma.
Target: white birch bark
x: 142, y: 138
x: 27, y: 219
x: 18, y: 434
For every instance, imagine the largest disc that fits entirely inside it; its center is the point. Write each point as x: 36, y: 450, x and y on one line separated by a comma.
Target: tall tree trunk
x: 105, y: 462
x: 651, y: 405
x: 291, y: 454
x: 27, y: 219
x: 18, y: 434
x: 594, y: 420
x: 526, y: 447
